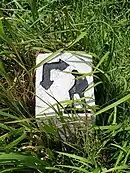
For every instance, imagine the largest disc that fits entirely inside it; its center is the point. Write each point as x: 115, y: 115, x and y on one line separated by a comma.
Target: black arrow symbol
x: 47, y: 67
x: 79, y: 87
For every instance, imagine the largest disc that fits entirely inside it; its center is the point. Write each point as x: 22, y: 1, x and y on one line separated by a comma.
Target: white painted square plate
x: 66, y: 78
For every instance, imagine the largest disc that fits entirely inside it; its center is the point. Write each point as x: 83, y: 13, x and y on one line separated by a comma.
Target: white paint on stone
x: 63, y: 81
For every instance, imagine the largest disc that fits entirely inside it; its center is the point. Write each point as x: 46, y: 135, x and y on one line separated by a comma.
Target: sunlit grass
x: 99, y: 28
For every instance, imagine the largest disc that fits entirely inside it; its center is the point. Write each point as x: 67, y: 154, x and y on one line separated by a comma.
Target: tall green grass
x: 100, y: 28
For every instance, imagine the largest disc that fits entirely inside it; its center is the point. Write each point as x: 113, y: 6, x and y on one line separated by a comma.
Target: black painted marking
x: 47, y: 67
x: 73, y: 110
x: 79, y: 87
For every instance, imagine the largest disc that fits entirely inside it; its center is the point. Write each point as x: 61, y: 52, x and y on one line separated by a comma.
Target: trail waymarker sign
x: 65, y: 81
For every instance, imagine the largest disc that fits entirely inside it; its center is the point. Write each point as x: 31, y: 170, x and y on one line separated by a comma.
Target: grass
x: 100, y: 28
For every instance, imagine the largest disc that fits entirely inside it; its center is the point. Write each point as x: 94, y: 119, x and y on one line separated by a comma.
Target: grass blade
x: 74, y: 168
x: 75, y: 157
x: 15, y: 142
x: 113, y: 105
x: 82, y: 35
x: 116, y: 169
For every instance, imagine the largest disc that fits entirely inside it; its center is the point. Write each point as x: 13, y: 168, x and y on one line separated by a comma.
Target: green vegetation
x: 100, y: 28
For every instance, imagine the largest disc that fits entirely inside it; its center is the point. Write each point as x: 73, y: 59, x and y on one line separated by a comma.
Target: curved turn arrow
x: 47, y: 67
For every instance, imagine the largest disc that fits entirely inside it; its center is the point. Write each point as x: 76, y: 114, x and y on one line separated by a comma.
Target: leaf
x: 4, y: 114
x: 123, y: 149
x: 126, y: 157
x: 110, y: 127
x: 3, y: 126
x: 9, y: 170
x: 116, y: 168
x: 50, y: 57
x: 74, y: 168
x: 15, y: 142
x: 75, y: 157
x: 101, y: 61
x: 113, y: 105
x: 97, y: 170
x: 2, y: 69
x: 3, y: 137
x: 121, y: 152
x: 54, y: 169
x: 34, y: 10
x: 1, y: 28
x: 4, y: 73
x: 18, y: 5
x: 114, y: 114
x: 28, y: 161
x: 82, y: 35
